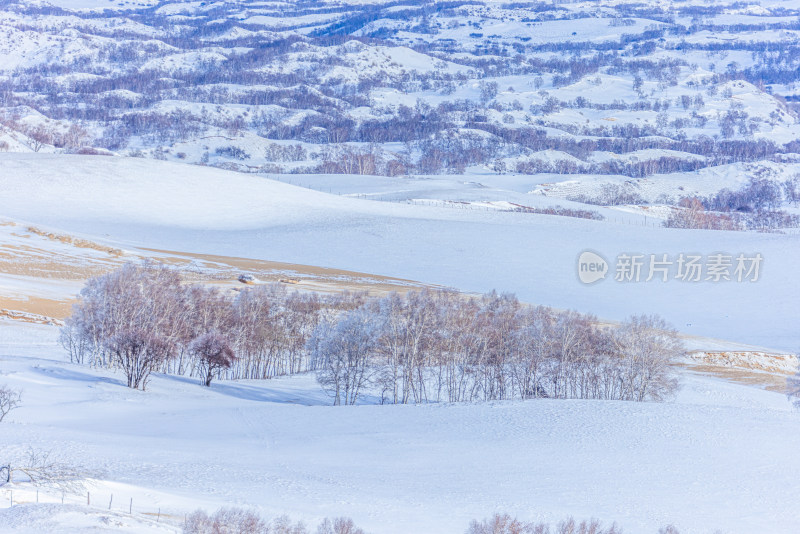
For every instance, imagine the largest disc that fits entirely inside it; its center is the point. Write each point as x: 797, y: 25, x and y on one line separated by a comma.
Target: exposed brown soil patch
x: 209, y: 267
x: 756, y: 360
x: 82, y: 259
x: 764, y: 380
x: 75, y: 241
x: 45, y: 309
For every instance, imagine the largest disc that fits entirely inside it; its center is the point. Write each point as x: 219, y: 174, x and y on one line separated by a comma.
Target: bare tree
x: 506, y: 524
x: 647, y: 347
x: 213, y: 355
x: 39, y: 137
x: 42, y: 468
x: 284, y: 525
x: 533, y: 348
x: 418, y: 347
x: 240, y: 521
x: 10, y: 399
x: 138, y: 353
x: 340, y: 525
x: 203, y: 310
x: 343, y: 351
x: 500, y: 524
x: 791, y: 189
x: 227, y: 520
x: 144, y: 297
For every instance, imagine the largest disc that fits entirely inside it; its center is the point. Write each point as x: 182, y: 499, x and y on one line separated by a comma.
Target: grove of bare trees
x: 756, y: 206
x: 141, y: 319
x: 423, y: 346
x: 439, y: 346
x: 233, y: 520
x: 506, y: 524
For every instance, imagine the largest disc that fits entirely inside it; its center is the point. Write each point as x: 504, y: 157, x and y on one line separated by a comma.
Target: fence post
x: 130, y: 508
x: 110, y: 501
x: 88, y: 499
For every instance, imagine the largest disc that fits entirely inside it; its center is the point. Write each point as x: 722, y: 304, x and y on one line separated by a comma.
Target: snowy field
x: 142, y: 203
x: 475, y: 145
x: 721, y: 456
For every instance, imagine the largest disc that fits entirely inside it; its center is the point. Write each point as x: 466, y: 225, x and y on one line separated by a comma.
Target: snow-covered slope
x: 721, y: 456
x: 136, y: 202
x: 607, y: 86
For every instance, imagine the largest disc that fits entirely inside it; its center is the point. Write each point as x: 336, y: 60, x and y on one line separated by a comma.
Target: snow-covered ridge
x: 680, y: 82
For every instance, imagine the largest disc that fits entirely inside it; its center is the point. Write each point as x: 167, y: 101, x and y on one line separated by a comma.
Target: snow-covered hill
x: 141, y: 203
x: 613, y: 87
x: 722, y: 456
x: 582, y: 155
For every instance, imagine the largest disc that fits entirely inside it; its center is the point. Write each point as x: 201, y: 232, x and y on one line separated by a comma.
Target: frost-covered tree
x: 138, y: 299
x: 227, y: 520
x: 138, y: 353
x: 647, y: 347
x: 342, y: 352
x: 340, y: 525
x: 506, y: 524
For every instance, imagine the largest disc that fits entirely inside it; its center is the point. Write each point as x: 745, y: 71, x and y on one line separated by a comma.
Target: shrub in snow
x: 613, y: 195
x: 92, y: 151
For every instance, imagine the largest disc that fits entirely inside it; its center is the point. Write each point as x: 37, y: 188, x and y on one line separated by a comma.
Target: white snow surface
x: 721, y: 456
x: 136, y: 202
